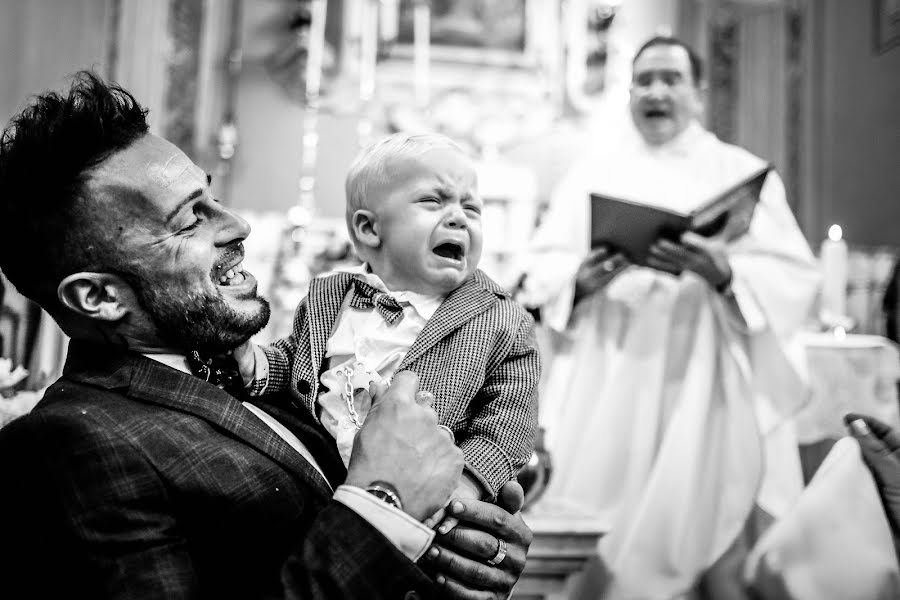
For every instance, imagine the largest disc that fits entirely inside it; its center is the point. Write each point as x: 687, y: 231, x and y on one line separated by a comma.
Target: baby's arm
x: 500, y: 437
x: 267, y: 369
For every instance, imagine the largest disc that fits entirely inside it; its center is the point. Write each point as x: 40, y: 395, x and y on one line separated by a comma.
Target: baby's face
x: 429, y: 222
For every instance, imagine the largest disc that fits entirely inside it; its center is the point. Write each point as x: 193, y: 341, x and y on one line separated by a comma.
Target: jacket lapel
x: 146, y: 380
x: 324, y: 299
x: 463, y: 304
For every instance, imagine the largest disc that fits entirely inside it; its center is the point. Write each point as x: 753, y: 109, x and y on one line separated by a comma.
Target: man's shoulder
x: 70, y: 413
x: 733, y: 152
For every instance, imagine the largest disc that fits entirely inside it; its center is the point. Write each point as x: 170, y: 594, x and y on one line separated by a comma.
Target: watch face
x: 384, y: 495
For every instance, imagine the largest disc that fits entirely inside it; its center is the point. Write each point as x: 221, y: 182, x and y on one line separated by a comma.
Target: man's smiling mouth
x: 233, y: 276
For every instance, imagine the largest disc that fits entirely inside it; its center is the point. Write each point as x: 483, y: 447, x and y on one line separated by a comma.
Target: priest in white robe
x: 665, y: 403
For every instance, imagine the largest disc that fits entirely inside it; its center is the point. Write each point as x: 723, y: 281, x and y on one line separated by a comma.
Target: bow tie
x: 221, y: 371
x: 367, y: 296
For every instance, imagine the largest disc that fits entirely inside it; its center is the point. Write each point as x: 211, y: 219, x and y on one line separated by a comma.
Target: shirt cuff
x: 408, y: 535
x: 257, y: 387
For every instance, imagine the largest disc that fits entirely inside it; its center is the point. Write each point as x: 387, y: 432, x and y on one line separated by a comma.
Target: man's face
x: 664, y: 96
x: 428, y: 217
x: 181, y: 250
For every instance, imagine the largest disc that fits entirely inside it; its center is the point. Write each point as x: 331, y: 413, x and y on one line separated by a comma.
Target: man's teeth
x: 233, y: 275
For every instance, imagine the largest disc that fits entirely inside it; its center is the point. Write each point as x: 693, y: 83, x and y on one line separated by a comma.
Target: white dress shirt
x: 364, y: 342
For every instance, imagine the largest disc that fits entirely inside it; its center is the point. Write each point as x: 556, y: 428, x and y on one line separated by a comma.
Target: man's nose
x: 232, y: 228
x: 657, y: 89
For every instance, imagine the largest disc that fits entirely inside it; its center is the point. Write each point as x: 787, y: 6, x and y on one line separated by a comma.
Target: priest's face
x: 664, y: 96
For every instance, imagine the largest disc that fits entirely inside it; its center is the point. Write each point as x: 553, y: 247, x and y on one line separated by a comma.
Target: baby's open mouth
x: 450, y: 250
x: 233, y: 276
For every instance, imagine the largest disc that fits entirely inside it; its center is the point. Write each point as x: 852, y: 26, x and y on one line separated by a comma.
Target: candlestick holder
x: 837, y: 325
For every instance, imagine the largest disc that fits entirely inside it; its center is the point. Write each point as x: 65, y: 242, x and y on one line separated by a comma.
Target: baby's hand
x: 468, y: 488
x: 246, y: 360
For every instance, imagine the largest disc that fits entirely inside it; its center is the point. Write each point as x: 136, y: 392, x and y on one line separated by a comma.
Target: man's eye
x: 192, y: 226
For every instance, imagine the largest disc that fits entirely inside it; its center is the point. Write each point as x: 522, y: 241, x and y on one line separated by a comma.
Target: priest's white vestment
x: 665, y: 401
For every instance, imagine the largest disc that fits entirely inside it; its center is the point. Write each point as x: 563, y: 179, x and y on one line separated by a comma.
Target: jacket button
x: 303, y: 386
x: 411, y: 595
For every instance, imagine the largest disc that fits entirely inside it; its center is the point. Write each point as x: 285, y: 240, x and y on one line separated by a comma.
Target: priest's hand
x: 705, y: 257
x: 598, y: 269
x: 880, y: 447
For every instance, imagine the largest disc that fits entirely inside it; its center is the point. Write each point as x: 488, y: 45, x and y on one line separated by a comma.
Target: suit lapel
x: 463, y: 304
x: 148, y: 381
x: 324, y: 299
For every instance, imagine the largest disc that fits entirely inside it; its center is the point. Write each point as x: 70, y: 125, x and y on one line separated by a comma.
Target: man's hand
x: 597, y: 270
x: 401, y: 445
x: 880, y: 447
x: 460, y: 557
x: 705, y: 257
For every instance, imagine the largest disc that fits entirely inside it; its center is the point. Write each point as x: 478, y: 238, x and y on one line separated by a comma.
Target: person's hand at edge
x: 880, y: 447
x: 460, y: 558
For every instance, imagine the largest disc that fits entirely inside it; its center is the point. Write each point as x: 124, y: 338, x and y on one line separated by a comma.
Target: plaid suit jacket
x: 477, y: 355
x: 134, y: 480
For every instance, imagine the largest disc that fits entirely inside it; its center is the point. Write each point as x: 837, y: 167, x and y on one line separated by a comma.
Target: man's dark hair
x: 665, y: 40
x: 46, y: 154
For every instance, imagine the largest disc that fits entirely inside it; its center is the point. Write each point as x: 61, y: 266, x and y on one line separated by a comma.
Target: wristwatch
x: 385, y: 493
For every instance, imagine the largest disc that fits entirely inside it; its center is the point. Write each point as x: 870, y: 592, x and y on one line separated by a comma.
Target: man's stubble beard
x: 198, y: 321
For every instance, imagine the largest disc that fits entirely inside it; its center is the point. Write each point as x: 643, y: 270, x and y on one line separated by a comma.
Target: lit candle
x: 421, y: 49
x: 834, y: 274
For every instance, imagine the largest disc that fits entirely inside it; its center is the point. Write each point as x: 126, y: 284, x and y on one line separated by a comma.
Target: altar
x: 565, y: 538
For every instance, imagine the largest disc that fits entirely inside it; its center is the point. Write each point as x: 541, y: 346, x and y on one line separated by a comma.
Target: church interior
x: 275, y: 98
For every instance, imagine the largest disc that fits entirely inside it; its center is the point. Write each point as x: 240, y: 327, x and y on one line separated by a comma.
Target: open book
x: 632, y: 227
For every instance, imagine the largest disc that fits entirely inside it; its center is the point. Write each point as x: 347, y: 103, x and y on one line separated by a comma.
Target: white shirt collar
x: 683, y: 143
x: 176, y: 361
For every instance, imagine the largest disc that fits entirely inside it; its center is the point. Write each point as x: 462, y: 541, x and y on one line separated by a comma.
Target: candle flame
x: 835, y: 233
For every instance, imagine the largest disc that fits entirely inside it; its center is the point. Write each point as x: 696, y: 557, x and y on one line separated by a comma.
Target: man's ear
x: 101, y: 296
x: 365, y: 228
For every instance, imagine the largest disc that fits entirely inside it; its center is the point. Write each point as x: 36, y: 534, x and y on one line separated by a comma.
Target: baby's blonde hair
x: 371, y: 167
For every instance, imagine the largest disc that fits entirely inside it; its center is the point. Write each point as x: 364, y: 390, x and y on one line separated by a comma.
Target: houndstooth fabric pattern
x: 477, y: 355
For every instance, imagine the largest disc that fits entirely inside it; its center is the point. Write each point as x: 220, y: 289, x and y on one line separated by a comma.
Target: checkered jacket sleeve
x: 500, y: 437
x: 281, y: 355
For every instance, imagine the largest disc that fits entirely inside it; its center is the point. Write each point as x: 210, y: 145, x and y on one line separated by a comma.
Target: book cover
x: 632, y: 227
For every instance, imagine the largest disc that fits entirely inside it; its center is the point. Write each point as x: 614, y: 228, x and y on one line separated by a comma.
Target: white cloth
x: 834, y: 544
x: 656, y: 398
x: 373, y: 348
x: 408, y: 535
